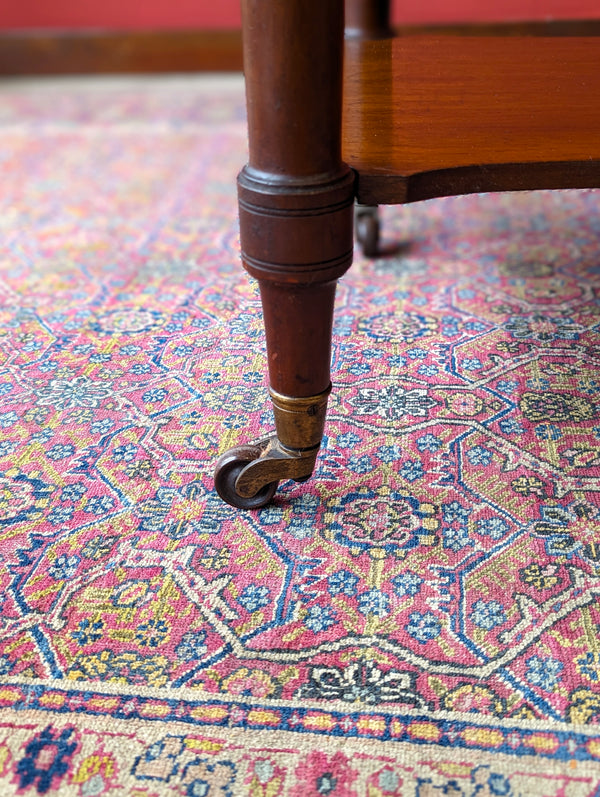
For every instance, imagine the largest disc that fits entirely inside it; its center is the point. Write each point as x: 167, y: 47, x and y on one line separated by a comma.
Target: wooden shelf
x: 430, y: 116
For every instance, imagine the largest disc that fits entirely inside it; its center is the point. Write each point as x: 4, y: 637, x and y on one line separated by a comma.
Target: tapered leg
x: 368, y: 19
x: 296, y: 225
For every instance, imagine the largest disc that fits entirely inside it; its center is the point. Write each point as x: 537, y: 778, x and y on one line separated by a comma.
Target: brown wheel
x: 228, y: 468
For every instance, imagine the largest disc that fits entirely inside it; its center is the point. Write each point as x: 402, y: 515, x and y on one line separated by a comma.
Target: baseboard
x: 40, y: 52
x: 95, y: 51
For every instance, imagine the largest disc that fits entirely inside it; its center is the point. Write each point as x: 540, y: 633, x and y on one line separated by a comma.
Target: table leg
x: 296, y: 226
x: 368, y: 19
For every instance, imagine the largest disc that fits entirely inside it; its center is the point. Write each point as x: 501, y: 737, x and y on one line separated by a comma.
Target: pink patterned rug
x: 422, y: 617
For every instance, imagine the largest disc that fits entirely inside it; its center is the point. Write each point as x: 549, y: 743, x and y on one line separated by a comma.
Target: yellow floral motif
x: 94, y: 765
x: 556, y: 407
x: 128, y: 667
x: 585, y: 705
x: 540, y: 577
x: 529, y: 485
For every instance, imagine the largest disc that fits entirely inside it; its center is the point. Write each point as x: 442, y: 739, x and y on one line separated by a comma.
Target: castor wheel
x: 247, y: 476
x: 367, y: 229
x: 227, y: 470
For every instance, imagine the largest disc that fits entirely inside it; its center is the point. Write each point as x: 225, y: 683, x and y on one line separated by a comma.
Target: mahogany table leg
x: 296, y: 226
x: 367, y: 224
x: 368, y: 19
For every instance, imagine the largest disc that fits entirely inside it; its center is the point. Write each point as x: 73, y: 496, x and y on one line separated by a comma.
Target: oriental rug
x: 419, y: 619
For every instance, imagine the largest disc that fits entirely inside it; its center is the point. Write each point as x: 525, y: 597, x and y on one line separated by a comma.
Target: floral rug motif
x: 422, y: 617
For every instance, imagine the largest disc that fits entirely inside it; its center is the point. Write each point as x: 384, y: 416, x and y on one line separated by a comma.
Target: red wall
x: 412, y: 11
x: 207, y: 14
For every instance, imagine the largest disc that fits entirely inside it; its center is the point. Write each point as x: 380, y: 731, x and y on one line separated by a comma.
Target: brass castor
x: 247, y: 476
x: 227, y: 470
x: 367, y: 229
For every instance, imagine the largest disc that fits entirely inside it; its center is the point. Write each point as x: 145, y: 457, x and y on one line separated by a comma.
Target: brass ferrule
x: 300, y: 421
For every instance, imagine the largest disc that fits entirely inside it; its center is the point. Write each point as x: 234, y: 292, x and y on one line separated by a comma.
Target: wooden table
x: 415, y: 118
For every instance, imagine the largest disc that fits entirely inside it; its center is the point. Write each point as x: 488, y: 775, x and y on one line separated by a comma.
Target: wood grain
x: 429, y: 116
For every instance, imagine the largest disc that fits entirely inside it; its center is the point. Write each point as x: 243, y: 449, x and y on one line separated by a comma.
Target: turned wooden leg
x: 366, y: 218
x: 296, y: 226
x: 367, y: 19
